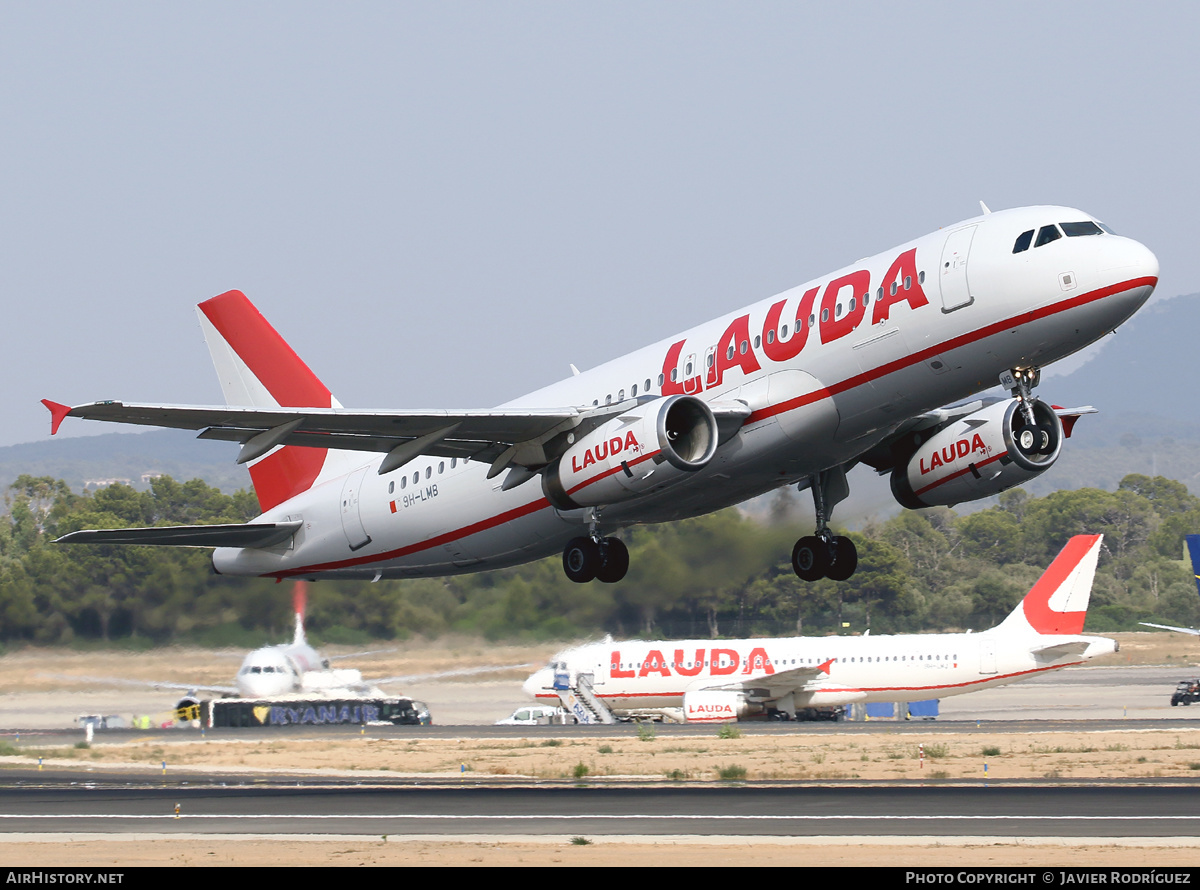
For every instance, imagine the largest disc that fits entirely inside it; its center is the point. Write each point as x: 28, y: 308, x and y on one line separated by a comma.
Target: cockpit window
x: 1075, y: 229
x: 1046, y: 235
x: 1023, y: 241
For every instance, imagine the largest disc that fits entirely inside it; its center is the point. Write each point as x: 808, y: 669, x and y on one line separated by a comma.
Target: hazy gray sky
x: 442, y: 204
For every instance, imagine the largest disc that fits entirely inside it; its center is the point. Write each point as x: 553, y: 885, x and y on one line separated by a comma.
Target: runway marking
x: 459, y: 817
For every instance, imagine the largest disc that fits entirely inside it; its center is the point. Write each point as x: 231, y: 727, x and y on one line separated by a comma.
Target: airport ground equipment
x: 285, y: 712
x: 1186, y: 692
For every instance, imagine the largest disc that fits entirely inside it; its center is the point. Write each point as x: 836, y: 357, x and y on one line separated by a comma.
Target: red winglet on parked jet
x: 798, y: 388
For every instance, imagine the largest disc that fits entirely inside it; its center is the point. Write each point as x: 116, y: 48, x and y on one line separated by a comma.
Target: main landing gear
x: 825, y: 555
x: 605, y: 559
x: 593, y: 557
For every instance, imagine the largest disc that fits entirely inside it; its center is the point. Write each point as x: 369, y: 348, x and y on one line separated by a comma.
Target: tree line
x: 713, y: 576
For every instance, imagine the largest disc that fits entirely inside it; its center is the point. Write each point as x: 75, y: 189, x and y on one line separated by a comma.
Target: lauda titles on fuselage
x: 710, y: 681
x: 850, y: 368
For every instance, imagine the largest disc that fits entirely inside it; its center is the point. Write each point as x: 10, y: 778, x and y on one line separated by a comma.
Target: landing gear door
x: 356, y: 534
x: 956, y: 288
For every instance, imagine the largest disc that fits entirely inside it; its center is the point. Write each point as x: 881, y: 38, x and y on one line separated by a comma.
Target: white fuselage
x: 277, y: 670
x: 825, y: 373
x: 641, y: 675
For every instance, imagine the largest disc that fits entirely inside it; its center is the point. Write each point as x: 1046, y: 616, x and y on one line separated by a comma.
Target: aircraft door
x: 956, y: 288
x: 352, y: 525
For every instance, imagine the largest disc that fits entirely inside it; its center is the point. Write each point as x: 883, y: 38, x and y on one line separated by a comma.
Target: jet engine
x: 644, y: 449
x: 714, y: 706
x: 984, y: 453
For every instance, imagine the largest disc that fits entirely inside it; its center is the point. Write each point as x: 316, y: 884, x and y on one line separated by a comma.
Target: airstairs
x: 579, y: 699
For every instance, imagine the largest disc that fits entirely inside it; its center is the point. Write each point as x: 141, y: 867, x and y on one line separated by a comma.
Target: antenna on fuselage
x: 984, y: 207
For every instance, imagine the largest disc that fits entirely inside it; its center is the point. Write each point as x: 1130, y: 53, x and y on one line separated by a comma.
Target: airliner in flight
x: 854, y: 367
x: 724, y: 680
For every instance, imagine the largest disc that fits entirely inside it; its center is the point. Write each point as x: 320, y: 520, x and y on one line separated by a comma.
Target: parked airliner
x: 724, y: 680
x: 849, y: 368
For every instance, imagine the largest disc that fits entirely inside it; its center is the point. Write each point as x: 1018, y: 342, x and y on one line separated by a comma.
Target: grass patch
x: 8, y: 749
x: 580, y: 841
x: 991, y: 751
x: 581, y: 769
x: 936, y: 751
x: 729, y: 731
x: 605, y: 749
x: 551, y: 743
x: 732, y: 772
x: 678, y: 775
x: 647, y: 732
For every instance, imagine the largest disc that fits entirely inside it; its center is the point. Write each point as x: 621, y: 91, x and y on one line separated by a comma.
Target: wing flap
x: 246, y: 534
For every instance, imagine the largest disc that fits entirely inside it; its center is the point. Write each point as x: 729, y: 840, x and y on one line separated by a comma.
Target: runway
x: 851, y: 811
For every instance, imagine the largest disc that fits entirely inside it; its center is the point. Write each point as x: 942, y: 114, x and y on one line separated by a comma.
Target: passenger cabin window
x: 1046, y: 235
x: 1075, y: 229
x: 1023, y: 241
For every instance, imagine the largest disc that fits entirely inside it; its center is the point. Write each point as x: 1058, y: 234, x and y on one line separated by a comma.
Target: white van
x: 536, y: 715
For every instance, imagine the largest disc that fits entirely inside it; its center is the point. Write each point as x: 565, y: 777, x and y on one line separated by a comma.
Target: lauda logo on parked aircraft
x: 609, y: 448
x: 719, y: 662
x: 959, y: 449
x: 900, y: 284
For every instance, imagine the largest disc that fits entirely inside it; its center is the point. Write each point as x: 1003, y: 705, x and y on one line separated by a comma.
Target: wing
x: 144, y: 684
x: 1182, y: 630
x: 502, y: 437
x: 461, y: 672
x: 248, y: 534
x: 800, y: 679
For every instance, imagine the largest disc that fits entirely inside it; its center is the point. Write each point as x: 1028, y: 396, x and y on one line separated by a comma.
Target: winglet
x: 58, y: 414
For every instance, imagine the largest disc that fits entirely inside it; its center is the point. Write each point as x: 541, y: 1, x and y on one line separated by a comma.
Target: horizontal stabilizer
x: 244, y: 534
x: 1060, y: 650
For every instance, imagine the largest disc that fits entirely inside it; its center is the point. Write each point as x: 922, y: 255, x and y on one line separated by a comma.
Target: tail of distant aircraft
x: 299, y: 605
x: 1057, y: 603
x: 258, y: 369
x: 1193, y: 546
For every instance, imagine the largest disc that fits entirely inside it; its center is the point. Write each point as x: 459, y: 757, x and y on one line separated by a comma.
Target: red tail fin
x: 1057, y: 603
x: 257, y: 368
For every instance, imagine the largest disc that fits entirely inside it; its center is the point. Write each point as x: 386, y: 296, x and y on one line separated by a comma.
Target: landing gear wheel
x: 581, y: 560
x: 810, y: 558
x: 843, y: 559
x: 614, y: 556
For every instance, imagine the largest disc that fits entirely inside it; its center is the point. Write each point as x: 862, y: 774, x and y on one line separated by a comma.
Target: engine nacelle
x: 704, y: 706
x: 642, y: 450
x: 979, y: 455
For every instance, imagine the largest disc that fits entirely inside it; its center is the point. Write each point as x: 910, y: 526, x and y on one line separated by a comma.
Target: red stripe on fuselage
x: 953, y: 343
x: 481, y: 526
x: 764, y: 414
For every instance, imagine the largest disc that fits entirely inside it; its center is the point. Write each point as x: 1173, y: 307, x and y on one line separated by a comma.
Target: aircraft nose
x: 537, y: 682
x: 1132, y: 259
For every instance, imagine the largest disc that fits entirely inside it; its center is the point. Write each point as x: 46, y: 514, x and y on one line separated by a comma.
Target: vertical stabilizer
x: 1057, y: 603
x: 1193, y: 546
x: 258, y: 369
